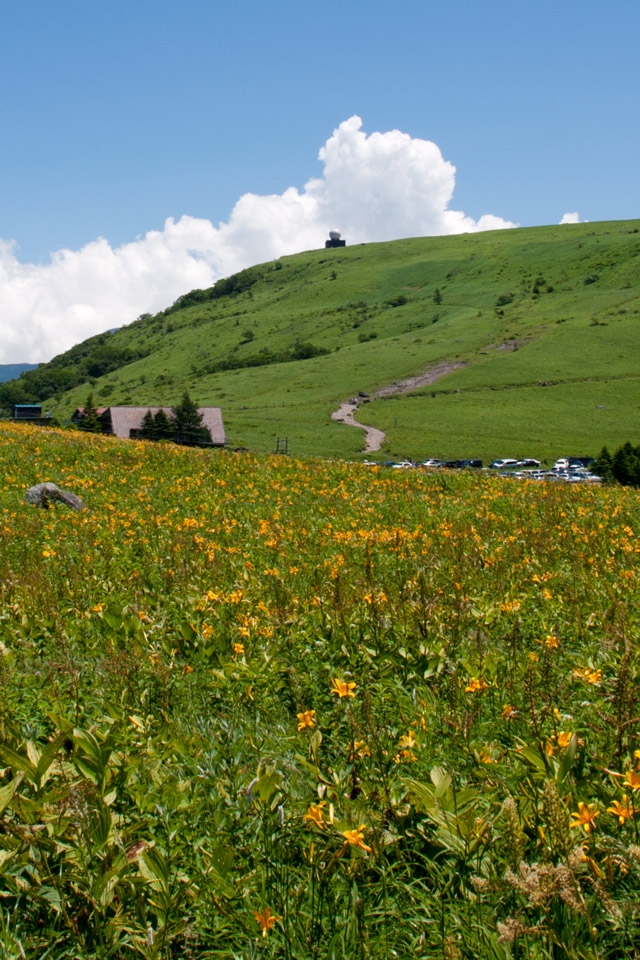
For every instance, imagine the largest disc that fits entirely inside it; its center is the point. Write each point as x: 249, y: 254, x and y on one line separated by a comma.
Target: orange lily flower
x: 266, y: 919
x: 306, y: 719
x: 344, y: 688
x: 314, y: 814
x: 354, y: 837
x: 585, y: 817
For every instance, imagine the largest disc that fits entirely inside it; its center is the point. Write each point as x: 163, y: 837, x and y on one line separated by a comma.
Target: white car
x: 501, y: 464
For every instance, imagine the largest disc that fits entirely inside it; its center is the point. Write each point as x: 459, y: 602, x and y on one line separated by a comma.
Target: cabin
x: 126, y: 422
x: 26, y: 411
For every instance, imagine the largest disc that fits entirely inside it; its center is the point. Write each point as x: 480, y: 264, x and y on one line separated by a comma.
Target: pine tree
x: 187, y: 421
x: 603, y: 467
x: 147, y: 429
x: 90, y: 421
x: 164, y: 429
x: 623, y: 464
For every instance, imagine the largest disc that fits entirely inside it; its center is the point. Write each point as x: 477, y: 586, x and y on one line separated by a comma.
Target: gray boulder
x: 44, y: 494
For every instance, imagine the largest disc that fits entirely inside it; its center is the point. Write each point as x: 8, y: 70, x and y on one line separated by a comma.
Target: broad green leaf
x: 7, y: 793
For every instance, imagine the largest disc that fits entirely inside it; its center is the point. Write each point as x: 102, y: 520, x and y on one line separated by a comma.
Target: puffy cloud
x: 378, y: 187
x: 571, y: 218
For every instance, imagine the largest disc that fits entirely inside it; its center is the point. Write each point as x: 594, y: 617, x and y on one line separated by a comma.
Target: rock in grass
x: 43, y: 494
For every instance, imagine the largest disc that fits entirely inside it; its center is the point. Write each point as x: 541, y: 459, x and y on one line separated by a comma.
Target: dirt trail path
x: 374, y: 438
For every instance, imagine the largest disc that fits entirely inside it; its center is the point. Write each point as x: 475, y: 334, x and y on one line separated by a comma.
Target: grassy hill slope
x: 280, y: 345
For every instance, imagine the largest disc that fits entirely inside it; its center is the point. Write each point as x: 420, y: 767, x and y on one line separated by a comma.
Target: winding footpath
x: 374, y: 438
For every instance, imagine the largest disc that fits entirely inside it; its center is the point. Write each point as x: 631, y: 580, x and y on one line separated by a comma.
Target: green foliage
x: 148, y: 429
x: 269, y: 707
x: 622, y: 467
x: 227, y: 287
x: 187, y: 423
x: 90, y: 422
x: 266, y: 357
x: 162, y: 426
x: 398, y: 301
x: 92, y: 358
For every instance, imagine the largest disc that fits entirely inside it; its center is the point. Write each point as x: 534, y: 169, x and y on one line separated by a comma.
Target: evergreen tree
x: 164, y: 429
x: 603, y: 467
x: 623, y: 464
x: 147, y: 429
x: 90, y: 421
x: 188, y: 423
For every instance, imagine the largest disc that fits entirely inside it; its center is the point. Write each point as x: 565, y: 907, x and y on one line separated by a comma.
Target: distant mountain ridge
x: 497, y: 315
x: 9, y: 371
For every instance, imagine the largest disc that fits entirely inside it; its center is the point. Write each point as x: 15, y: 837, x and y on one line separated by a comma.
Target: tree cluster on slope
x: 623, y: 466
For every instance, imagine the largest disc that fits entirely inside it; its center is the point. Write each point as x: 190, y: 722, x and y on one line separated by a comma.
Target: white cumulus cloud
x: 381, y: 186
x: 571, y: 217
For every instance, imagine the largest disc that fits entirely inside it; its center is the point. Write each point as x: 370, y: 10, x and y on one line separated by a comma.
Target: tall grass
x: 268, y: 707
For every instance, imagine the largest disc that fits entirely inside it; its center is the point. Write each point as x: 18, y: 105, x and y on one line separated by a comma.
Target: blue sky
x: 116, y: 116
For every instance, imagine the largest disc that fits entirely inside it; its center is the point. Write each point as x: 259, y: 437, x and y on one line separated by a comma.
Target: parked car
x: 477, y: 464
x: 501, y: 464
x: 432, y: 463
x: 530, y: 462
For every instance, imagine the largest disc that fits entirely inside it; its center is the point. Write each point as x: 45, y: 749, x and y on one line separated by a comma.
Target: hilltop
x: 8, y: 371
x: 535, y: 331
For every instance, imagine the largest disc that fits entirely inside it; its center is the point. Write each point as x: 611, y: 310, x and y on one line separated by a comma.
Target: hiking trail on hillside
x: 374, y: 438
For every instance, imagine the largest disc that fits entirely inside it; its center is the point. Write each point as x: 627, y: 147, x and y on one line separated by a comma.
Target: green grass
x: 394, y: 712
x: 567, y: 297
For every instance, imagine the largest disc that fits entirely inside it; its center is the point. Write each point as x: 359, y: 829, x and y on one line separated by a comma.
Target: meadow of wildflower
x: 266, y: 707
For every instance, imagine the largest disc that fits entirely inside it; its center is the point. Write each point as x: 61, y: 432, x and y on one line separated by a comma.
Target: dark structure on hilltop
x: 334, y: 240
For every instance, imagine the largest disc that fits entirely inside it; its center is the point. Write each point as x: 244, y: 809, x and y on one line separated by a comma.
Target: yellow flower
x: 585, y: 817
x: 266, y: 919
x: 589, y: 676
x: 564, y: 738
x: 407, y: 740
x: 342, y: 687
x: 632, y: 779
x: 476, y: 685
x: 354, y: 837
x: 622, y: 810
x: 509, y: 712
x: 314, y: 814
x: 238, y: 648
x: 306, y: 719
x: 359, y: 750
x: 551, y: 642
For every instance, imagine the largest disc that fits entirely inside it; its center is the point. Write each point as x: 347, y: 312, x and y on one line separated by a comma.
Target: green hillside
x: 542, y: 323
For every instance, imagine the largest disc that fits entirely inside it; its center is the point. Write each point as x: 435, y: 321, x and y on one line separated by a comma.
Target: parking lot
x: 564, y: 470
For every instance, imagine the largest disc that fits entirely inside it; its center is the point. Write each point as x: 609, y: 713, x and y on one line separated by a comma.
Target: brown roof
x: 126, y: 419
x: 79, y: 412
